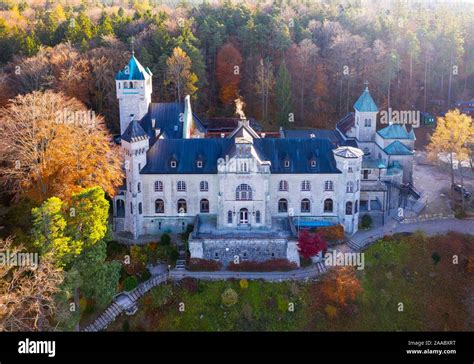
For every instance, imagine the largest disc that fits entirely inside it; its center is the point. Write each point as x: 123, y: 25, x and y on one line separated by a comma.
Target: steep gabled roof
x: 366, y: 103
x: 133, y: 71
x: 397, y: 148
x: 168, y: 116
x: 134, y: 132
x: 346, y: 123
x: 396, y: 131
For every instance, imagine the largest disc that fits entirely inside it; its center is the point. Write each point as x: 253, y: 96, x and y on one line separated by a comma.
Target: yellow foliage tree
x: 452, y: 137
x: 179, y: 74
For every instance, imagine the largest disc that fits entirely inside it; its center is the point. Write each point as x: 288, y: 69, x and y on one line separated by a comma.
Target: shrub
x: 436, y: 257
x: 167, y: 253
x: 310, y: 244
x: 204, y: 265
x: 191, y: 285
x: 161, y: 295
x: 281, y: 265
x: 244, y: 284
x: 130, y: 283
x: 146, y: 275
x: 366, y: 221
x: 331, y: 233
x: 165, y: 239
x: 331, y: 311
x: 229, y: 297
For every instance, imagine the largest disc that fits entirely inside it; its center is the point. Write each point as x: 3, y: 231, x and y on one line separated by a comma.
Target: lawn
x: 409, y: 283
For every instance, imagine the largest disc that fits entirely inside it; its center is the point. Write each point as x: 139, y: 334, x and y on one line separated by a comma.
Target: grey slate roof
x: 167, y: 119
x: 298, y: 151
x: 346, y: 123
x: 134, y: 132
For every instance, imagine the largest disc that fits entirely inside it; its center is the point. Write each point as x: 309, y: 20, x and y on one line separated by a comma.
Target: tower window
x: 139, y: 187
x: 140, y: 208
x: 349, y: 208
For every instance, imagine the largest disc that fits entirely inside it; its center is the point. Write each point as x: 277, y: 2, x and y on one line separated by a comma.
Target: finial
x: 366, y: 83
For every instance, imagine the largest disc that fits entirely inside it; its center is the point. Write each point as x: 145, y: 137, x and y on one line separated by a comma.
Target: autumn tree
x: 179, y: 74
x: 341, y: 286
x: 265, y: 81
x: 310, y: 244
x: 283, y: 95
x: 452, y: 138
x: 55, y: 147
x: 27, y: 292
x: 229, y: 64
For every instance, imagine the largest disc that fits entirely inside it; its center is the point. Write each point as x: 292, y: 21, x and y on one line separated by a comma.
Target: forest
x: 296, y: 61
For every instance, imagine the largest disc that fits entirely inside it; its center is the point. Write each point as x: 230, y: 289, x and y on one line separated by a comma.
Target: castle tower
x: 135, y: 143
x: 133, y: 85
x: 349, y: 162
x: 365, y: 117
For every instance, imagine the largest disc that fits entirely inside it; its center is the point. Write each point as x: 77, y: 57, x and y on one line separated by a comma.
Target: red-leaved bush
x: 310, y: 244
x: 204, y: 265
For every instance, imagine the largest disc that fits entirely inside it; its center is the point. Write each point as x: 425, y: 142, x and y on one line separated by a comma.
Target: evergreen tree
x: 283, y: 95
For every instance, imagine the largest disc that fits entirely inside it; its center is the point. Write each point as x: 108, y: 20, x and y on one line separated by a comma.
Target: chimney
x: 263, y: 135
x: 157, y: 131
x: 153, y: 121
x: 222, y: 135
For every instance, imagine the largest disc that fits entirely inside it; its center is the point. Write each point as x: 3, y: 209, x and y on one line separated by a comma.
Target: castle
x: 246, y: 193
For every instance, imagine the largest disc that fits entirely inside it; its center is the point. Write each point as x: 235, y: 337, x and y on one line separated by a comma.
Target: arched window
x: 159, y: 206
x: 182, y: 206
x: 204, y: 206
x: 328, y: 205
x: 283, y: 186
x: 120, y: 208
x: 350, y: 186
x: 305, y: 205
x: 140, y: 208
x: 139, y: 187
x: 257, y: 217
x: 243, y: 192
x: 305, y: 186
x: 349, y: 208
x: 158, y: 186
x: 229, y: 217
x: 204, y: 186
x: 282, y: 205
x: 181, y: 186
x: 328, y: 186
x: 356, y: 207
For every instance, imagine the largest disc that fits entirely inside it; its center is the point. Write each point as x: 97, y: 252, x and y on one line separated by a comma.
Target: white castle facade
x: 245, y: 193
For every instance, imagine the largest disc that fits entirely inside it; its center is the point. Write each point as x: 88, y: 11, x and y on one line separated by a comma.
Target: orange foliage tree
x: 228, y: 72
x: 341, y: 286
x: 54, y: 146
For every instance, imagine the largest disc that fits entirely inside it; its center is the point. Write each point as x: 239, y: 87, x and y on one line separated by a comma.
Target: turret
x: 134, y: 87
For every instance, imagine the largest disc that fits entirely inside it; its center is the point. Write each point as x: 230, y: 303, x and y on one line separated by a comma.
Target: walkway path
x: 362, y: 239
x: 299, y: 274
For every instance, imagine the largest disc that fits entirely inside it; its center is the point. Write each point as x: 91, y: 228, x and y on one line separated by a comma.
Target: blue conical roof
x: 133, y: 71
x: 366, y: 103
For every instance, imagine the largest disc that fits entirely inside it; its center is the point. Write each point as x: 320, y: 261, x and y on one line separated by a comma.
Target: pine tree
x: 283, y: 95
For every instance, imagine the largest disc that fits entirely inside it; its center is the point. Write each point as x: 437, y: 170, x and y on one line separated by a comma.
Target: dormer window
x: 173, y: 163
x: 313, y: 163
x: 199, y: 164
x: 286, y: 163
